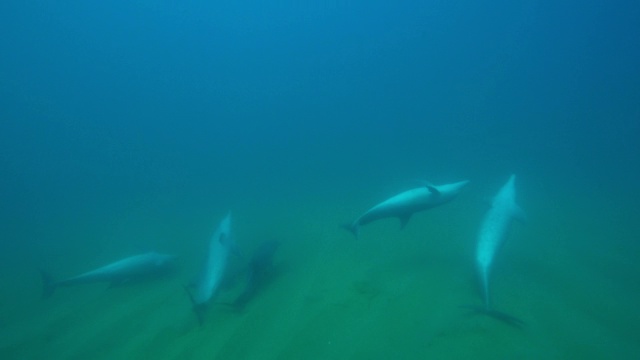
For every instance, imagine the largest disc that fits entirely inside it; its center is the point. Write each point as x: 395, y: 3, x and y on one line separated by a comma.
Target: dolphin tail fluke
x: 198, y: 308
x: 48, y: 284
x: 498, y: 315
x: 354, y: 228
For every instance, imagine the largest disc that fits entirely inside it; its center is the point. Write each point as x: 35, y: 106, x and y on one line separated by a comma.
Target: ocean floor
x: 391, y: 294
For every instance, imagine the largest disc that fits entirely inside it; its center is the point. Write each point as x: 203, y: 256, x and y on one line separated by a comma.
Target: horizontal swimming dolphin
x: 405, y: 204
x: 131, y: 268
x: 492, y: 234
x: 208, y: 281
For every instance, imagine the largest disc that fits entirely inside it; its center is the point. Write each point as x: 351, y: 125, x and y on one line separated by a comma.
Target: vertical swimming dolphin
x: 493, y: 232
x: 208, y: 281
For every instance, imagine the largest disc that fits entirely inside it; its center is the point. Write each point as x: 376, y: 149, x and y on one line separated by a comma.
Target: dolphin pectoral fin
x: 404, y: 219
x: 48, y: 284
x: 498, y: 315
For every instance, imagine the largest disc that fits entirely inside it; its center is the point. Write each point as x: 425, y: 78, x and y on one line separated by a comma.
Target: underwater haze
x: 135, y: 126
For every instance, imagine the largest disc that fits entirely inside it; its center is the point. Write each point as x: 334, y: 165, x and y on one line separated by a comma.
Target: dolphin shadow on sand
x: 498, y: 315
x: 259, y: 273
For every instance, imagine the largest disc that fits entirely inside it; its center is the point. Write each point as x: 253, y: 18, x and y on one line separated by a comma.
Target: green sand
x: 391, y: 294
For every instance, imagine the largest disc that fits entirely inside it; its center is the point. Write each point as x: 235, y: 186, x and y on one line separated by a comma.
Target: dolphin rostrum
x: 121, y: 271
x: 405, y: 204
x: 208, y: 281
x: 492, y: 235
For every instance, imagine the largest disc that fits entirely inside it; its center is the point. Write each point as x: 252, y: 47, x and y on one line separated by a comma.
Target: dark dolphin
x: 259, y: 272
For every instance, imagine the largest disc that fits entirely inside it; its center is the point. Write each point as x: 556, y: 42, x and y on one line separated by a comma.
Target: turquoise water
x: 135, y: 127
x: 568, y: 273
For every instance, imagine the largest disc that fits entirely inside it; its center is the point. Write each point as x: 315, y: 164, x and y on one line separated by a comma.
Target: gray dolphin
x: 492, y: 234
x: 121, y: 271
x: 405, y: 204
x: 208, y: 281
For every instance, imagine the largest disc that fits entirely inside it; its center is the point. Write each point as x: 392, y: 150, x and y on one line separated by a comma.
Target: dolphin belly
x: 493, y: 232
x: 133, y: 267
x: 210, y: 278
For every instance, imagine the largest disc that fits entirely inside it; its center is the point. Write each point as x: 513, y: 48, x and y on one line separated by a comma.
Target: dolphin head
x: 507, y: 192
x: 165, y: 260
x: 455, y: 188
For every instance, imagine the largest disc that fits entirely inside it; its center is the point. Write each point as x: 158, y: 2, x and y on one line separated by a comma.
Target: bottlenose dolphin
x: 492, y: 235
x: 208, y: 281
x: 121, y: 271
x: 405, y: 204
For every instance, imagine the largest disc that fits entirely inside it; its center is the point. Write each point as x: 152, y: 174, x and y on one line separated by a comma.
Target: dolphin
x: 208, y: 281
x: 405, y: 204
x: 492, y: 234
x: 121, y: 271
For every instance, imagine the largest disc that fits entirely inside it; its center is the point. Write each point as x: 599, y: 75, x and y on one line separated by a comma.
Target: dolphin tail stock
x: 498, y: 315
x: 198, y: 308
x: 354, y: 228
x: 48, y: 284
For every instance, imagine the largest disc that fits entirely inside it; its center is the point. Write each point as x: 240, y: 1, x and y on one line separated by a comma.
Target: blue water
x: 129, y: 126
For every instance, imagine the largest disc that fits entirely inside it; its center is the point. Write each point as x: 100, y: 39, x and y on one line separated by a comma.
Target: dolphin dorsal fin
x: 432, y: 188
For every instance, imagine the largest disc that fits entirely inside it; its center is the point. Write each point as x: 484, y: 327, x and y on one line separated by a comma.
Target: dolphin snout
x: 459, y: 185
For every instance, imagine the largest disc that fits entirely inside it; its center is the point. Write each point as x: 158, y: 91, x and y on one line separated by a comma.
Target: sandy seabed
x: 389, y: 295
